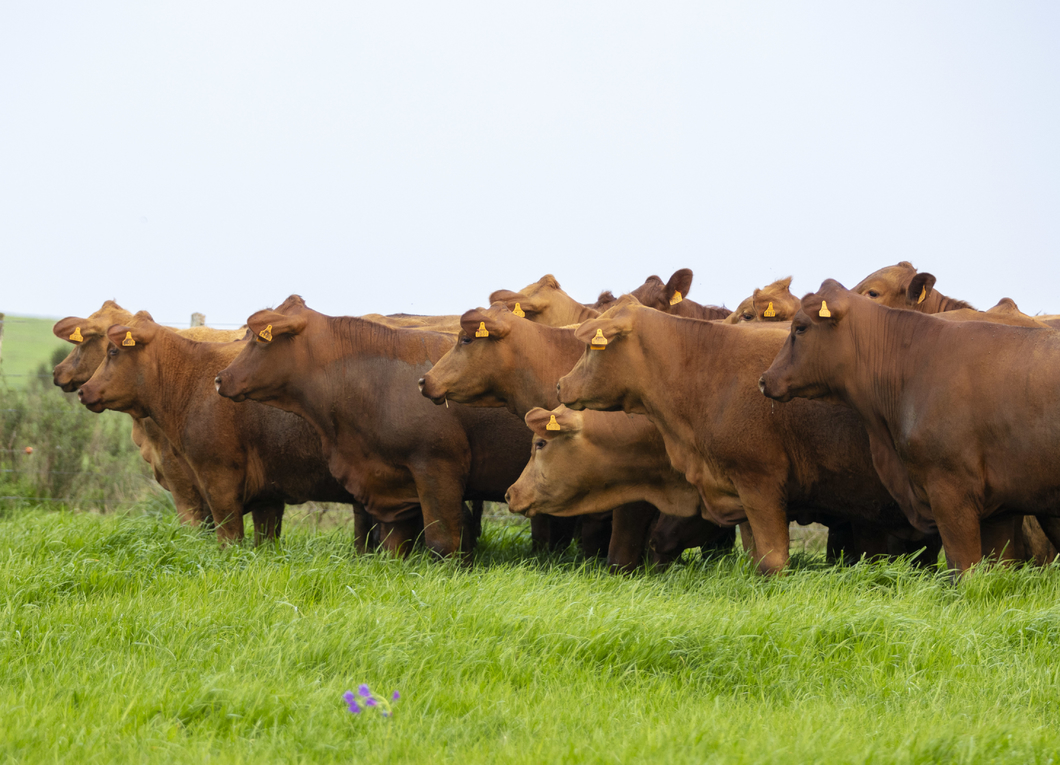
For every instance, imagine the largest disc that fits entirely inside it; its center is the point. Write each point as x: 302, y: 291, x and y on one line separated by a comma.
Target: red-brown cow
x: 355, y: 381
x: 545, y: 302
x: 963, y: 417
x: 88, y: 335
x: 901, y: 286
x: 516, y: 363
x: 750, y: 459
x: 244, y: 458
x: 774, y: 302
x: 672, y: 297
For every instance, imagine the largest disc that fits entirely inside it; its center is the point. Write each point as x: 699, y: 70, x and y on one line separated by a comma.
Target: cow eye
x: 540, y: 443
x: 112, y: 351
x: 748, y: 317
x: 800, y: 328
x: 873, y: 294
x: 465, y: 340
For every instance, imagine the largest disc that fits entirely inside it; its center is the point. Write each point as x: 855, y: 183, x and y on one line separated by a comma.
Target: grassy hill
x: 27, y: 343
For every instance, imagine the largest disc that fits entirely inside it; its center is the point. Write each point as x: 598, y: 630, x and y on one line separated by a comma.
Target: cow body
x: 355, y: 381
x: 750, y: 459
x: 242, y: 458
x: 963, y: 417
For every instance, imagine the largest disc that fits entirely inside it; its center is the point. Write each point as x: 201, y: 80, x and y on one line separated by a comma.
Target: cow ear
x: 919, y: 288
x: 481, y: 323
x: 678, y: 286
x: 74, y: 329
x: 516, y: 302
x: 131, y: 337
x: 548, y: 424
x: 824, y: 308
x: 267, y: 325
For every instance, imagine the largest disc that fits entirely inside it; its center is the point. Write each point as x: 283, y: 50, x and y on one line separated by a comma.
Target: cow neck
x: 169, y: 397
x: 690, y: 309
x: 936, y: 302
x: 533, y: 384
x: 573, y: 312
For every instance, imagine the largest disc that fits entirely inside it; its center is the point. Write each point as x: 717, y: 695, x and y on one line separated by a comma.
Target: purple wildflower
x: 351, y: 702
x: 396, y: 696
x: 363, y: 690
x: 371, y: 702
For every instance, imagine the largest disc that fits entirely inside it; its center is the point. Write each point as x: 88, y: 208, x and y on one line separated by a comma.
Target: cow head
x: 468, y: 373
x: 88, y: 336
x: 603, y: 377
x: 545, y: 303
x: 819, y: 350
x: 665, y: 297
x: 555, y: 478
x: 276, y: 354
x: 774, y: 302
x: 901, y: 286
x: 129, y: 366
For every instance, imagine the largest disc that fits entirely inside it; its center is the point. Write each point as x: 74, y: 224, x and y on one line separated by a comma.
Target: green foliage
x: 27, y: 343
x: 131, y: 639
x: 78, y: 458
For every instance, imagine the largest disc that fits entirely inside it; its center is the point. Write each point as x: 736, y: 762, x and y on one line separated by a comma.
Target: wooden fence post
x: 198, y: 320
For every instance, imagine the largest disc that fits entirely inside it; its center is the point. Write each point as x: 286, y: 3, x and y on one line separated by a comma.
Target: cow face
x: 126, y: 369
x: 898, y: 286
x: 267, y: 363
x: 545, y: 303
x: 468, y: 373
x: 88, y: 336
x: 818, y: 350
x: 773, y: 302
x: 604, y: 378
x: 665, y: 297
x: 558, y: 474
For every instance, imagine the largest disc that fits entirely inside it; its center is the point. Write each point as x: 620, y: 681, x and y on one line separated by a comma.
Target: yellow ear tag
x: 482, y: 331
x: 824, y: 312
x: 518, y: 311
x: 599, y: 342
x: 266, y: 334
x: 676, y: 298
x: 923, y: 294
x: 552, y: 424
x: 769, y: 312
x: 76, y: 337
x: 128, y: 342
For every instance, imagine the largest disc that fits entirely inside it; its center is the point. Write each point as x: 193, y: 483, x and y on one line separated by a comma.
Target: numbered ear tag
x: 128, y: 342
x: 482, y: 331
x: 266, y: 334
x: 599, y: 342
x: 552, y: 424
x: 676, y: 298
x: 824, y: 313
x: 923, y: 294
x: 769, y: 312
x: 518, y: 311
x: 76, y: 336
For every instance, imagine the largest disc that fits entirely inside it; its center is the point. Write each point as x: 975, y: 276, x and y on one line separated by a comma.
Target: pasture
x: 128, y: 638
x: 27, y: 343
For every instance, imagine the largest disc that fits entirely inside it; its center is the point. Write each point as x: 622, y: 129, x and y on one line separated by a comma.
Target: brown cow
x: 750, y: 459
x: 774, y: 302
x: 900, y: 286
x: 584, y: 462
x: 355, y: 381
x: 516, y: 364
x: 672, y: 297
x: 963, y: 417
x: 88, y: 335
x: 545, y: 302
x: 244, y: 458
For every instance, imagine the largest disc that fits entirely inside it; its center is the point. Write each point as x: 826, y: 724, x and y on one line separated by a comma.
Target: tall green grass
x: 131, y: 639
x: 27, y: 343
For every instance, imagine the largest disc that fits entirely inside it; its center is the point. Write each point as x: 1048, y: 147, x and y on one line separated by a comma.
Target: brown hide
x: 355, y: 382
x: 672, y: 297
x: 516, y: 365
x: 169, y: 469
x: 545, y: 302
x: 774, y: 302
x: 449, y: 324
x: 901, y: 286
x: 243, y: 458
x: 963, y: 417
x: 750, y: 458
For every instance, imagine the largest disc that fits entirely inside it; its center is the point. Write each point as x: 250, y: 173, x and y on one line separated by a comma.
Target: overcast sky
x: 397, y: 156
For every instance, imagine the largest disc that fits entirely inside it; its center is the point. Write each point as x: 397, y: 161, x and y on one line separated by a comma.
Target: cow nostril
x: 508, y: 497
x: 80, y: 395
x: 422, y: 382
x: 762, y: 384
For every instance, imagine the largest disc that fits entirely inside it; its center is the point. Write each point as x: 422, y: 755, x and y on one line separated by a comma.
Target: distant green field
x: 27, y: 343
x: 130, y: 639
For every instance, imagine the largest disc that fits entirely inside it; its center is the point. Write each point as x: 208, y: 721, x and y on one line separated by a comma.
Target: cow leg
x: 630, y: 525
x: 595, y: 532
x: 1051, y: 527
x: 769, y: 522
x: 399, y: 537
x: 721, y: 542
x: 442, y: 501
x: 747, y: 538
x: 1001, y: 539
x: 840, y: 546
x: 268, y: 518
x: 363, y: 526
x: 958, y: 522
x: 228, y: 520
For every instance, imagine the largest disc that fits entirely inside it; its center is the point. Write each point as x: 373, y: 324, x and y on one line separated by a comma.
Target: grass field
x: 27, y: 343
x: 130, y: 639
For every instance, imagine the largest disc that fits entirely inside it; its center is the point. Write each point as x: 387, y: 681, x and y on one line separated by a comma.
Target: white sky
x: 396, y: 156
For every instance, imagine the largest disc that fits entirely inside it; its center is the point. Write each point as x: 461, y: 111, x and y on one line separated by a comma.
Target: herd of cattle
x: 901, y: 419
